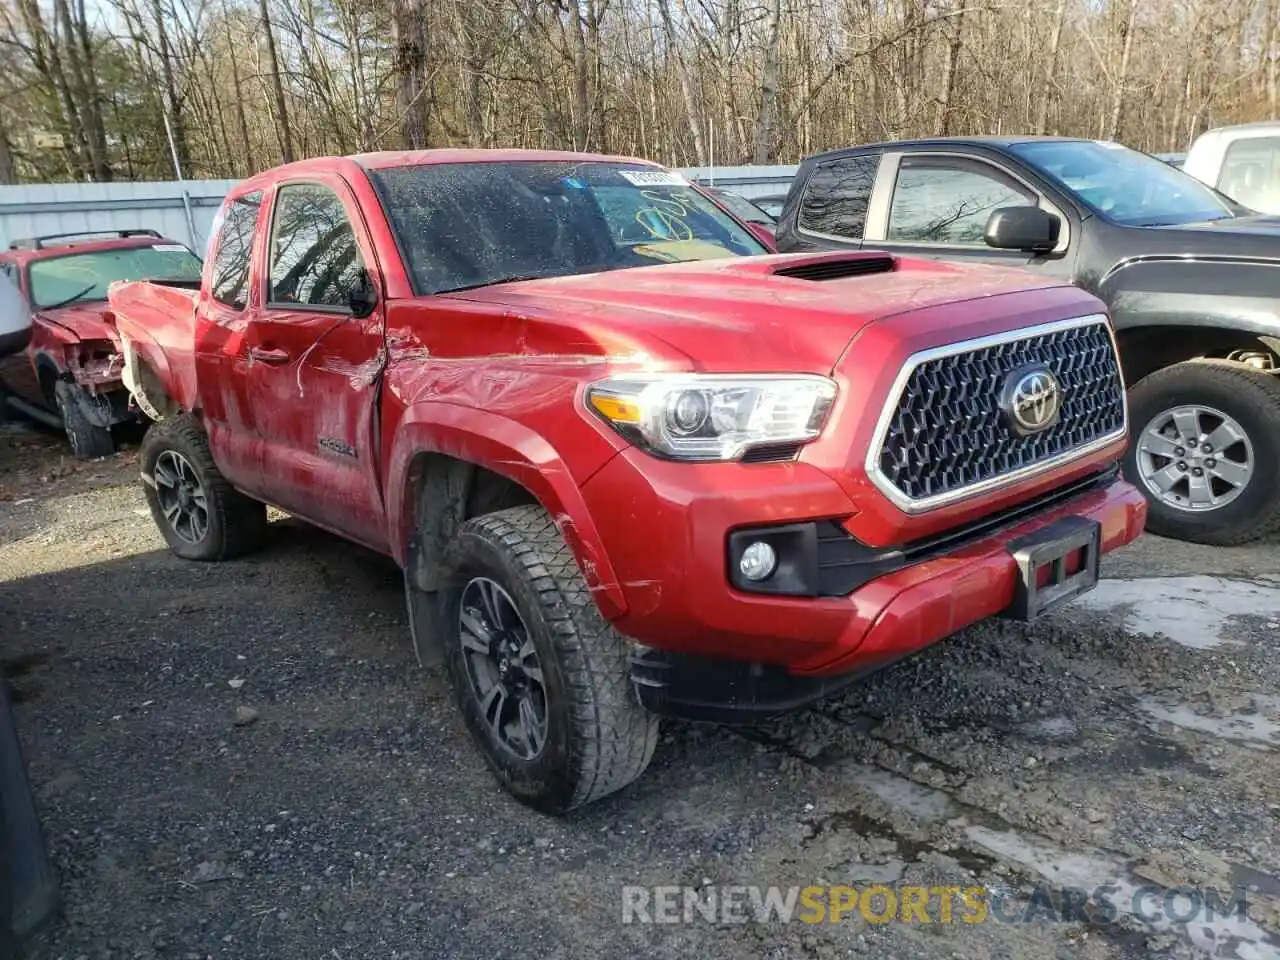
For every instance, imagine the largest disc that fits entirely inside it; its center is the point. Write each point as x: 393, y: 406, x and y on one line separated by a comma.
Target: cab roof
x: 24, y: 251
x: 411, y: 158
x: 994, y: 142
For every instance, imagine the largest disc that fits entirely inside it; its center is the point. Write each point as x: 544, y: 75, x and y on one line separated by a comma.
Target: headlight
x: 706, y: 417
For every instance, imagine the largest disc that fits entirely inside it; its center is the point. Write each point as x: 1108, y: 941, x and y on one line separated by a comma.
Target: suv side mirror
x: 1023, y: 228
x: 362, y: 298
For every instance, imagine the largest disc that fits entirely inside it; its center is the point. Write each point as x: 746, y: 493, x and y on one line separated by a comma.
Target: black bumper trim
x: 688, y: 687
x: 840, y: 564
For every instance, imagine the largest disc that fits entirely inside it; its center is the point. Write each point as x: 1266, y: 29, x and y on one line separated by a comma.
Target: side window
x: 1249, y: 172
x: 9, y: 271
x: 314, y: 258
x: 234, y: 248
x: 948, y: 199
x: 836, y: 196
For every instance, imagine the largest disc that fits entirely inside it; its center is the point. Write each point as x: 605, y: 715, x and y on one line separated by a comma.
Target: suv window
x: 230, y: 278
x: 836, y: 197
x: 948, y: 199
x: 1251, y: 173
x: 314, y: 258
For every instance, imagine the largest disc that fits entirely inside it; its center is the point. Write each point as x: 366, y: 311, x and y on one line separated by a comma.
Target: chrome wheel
x: 1194, y: 458
x: 503, y: 670
x: 182, y: 497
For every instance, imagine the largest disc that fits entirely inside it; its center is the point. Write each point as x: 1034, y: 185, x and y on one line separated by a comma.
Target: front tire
x: 201, y: 516
x: 88, y: 440
x: 1205, y: 451
x: 542, y: 680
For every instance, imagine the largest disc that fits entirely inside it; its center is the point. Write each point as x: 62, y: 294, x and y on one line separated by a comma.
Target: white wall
x: 29, y: 211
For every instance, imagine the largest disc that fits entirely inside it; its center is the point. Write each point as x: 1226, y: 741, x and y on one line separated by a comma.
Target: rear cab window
x: 232, y: 250
x: 836, y: 197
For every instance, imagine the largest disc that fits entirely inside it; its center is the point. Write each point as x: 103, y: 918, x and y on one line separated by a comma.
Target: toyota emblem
x: 1031, y: 400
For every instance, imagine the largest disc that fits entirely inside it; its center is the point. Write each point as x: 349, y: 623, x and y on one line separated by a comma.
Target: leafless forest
x: 88, y: 86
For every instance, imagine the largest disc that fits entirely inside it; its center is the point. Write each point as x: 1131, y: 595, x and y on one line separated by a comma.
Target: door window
x: 1251, y: 173
x: 948, y: 200
x: 314, y: 258
x: 836, y: 197
x: 234, y: 247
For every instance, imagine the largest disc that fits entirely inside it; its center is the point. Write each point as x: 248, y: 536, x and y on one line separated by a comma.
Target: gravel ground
x: 244, y: 760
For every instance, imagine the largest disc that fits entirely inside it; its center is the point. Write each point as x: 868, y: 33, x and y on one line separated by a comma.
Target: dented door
x: 314, y: 366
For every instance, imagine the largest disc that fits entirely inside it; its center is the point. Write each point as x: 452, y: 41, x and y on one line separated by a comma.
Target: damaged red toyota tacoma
x: 69, y: 375
x: 630, y: 464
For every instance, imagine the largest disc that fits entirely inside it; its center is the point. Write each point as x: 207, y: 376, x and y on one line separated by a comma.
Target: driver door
x: 314, y: 365
x: 937, y: 206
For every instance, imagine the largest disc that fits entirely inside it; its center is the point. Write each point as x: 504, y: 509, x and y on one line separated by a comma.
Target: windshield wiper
x: 63, y: 303
x: 513, y: 278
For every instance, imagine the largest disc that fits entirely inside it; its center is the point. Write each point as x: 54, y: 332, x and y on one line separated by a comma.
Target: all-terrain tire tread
x: 88, y: 441
x: 614, y: 736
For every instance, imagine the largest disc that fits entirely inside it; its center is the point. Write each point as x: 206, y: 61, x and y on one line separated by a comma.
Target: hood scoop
x: 859, y: 265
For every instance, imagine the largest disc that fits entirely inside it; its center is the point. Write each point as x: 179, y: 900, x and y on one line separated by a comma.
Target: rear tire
x: 88, y: 440
x: 200, y: 515
x: 592, y: 735
x: 1249, y: 400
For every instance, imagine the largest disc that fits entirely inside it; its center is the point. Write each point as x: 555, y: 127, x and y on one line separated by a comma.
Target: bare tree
x: 277, y: 86
x: 249, y: 83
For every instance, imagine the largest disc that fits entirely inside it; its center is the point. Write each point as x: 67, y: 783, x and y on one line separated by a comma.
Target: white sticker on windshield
x: 654, y: 178
x: 169, y: 247
x: 1110, y: 144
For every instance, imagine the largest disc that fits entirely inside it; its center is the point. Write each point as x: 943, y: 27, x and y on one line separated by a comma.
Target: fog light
x: 758, y: 561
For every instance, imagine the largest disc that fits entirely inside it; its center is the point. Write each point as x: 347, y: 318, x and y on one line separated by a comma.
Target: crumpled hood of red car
x: 87, y: 321
x: 736, y: 314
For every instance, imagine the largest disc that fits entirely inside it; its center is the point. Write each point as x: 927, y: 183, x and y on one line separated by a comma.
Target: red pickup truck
x: 630, y: 464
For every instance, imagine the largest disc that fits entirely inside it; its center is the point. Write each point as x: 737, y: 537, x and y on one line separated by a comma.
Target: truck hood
x: 1254, y: 236
x: 84, y: 321
x: 742, y: 314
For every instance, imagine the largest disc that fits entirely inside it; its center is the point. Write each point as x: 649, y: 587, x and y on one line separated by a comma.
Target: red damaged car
x: 69, y: 375
x: 630, y: 464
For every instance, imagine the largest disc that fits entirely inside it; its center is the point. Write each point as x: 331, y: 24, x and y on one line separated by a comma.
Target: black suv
x: 1191, y: 278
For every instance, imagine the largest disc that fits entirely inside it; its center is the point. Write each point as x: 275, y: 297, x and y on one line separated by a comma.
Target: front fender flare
x: 510, y: 450
x: 1227, y: 293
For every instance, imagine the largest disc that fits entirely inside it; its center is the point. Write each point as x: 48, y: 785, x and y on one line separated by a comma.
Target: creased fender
x: 513, y: 451
x: 159, y: 325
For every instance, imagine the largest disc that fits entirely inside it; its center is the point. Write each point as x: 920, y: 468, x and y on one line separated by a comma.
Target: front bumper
x: 666, y: 539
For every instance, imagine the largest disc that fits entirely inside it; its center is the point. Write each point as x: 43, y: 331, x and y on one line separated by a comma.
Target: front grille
x: 947, y: 432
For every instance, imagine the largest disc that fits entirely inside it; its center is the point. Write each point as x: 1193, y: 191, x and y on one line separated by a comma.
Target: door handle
x: 269, y: 354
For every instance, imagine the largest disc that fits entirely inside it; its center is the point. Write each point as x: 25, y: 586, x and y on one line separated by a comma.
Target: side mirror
x: 1023, y: 228
x: 363, y: 297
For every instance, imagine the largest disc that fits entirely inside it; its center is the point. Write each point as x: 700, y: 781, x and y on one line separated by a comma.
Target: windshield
x: 79, y: 277
x: 1123, y: 185
x: 463, y: 225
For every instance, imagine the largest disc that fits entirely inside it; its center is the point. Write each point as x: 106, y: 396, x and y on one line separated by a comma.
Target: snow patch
x: 1190, y: 611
